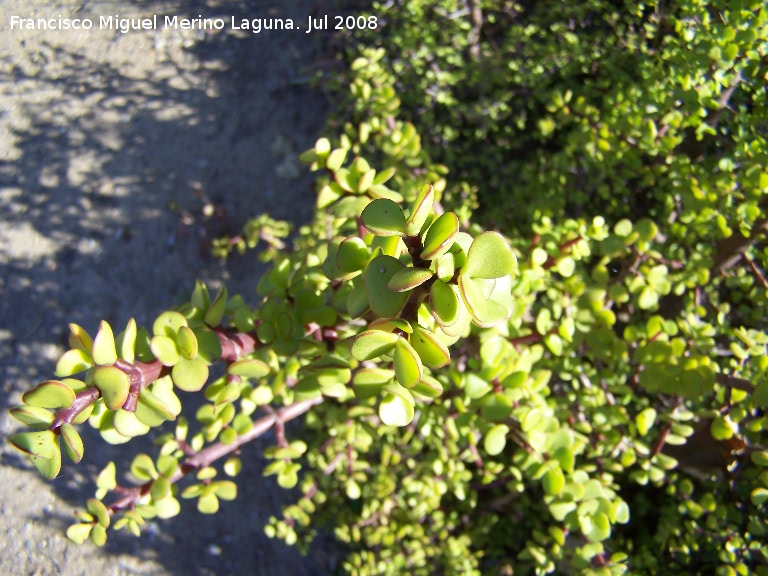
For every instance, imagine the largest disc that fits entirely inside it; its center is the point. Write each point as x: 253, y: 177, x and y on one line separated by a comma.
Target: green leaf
x: 168, y: 324
x: 114, y: 385
x: 420, y: 210
x: 368, y: 382
x: 648, y: 298
x: 485, y: 313
x: 496, y: 407
x: 190, y: 375
x: 73, y: 444
x: 336, y: 159
x: 721, y: 428
x: 428, y: 387
x: 49, y: 468
x: 395, y: 410
x: 383, y: 302
x: 208, y: 504
x: 408, y: 279
x: 79, y: 532
x: 79, y: 339
x: 126, y: 342
x: 759, y: 496
x: 99, y: 511
x: 50, y: 394
x: 352, y: 255
x: 186, y: 342
x: 143, y: 468
x: 372, y: 344
x: 200, y: 297
x: 489, y: 256
x: 104, y: 352
x: 408, y: 368
x: 107, y: 478
x: 127, y: 424
x: 645, y: 420
x: 444, y: 303
x: 225, y: 489
x: 432, y: 352
x: 33, y: 416
x: 151, y: 410
x: 760, y: 458
x: 249, y: 368
x: 72, y: 362
x: 384, y: 217
x: 440, y: 236
x: 165, y: 349
x: 41, y: 443
x: 214, y: 314
x: 553, y: 480
x: 496, y: 439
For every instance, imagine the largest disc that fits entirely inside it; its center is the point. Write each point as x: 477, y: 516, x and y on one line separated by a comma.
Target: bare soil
x: 121, y: 156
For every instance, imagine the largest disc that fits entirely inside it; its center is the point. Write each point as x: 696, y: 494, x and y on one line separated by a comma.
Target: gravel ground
x: 121, y: 156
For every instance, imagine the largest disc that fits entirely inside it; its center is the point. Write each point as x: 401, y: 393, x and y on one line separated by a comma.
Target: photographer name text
x: 155, y: 22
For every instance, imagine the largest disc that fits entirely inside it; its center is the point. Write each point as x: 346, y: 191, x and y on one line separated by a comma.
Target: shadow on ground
x: 121, y: 157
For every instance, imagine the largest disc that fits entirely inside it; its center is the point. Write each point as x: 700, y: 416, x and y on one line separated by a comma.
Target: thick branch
x: 216, y: 451
x: 730, y: 250
x: 734, y: 382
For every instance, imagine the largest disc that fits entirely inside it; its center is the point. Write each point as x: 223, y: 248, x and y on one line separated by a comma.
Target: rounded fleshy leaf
x: 485, y: 313
x: 352, y: 255
x: 186, y: 341
x: 249, y: 368
x: 440, y: 236
x: 151, y: 410
x: 408, y: 367
x: 225, y: 489
x: 33, y: 416
x: 165, y: 349
x: 190, y: 375
x: 99, y: 511
x: 104, y: 352
x: 168, y: 324
x: 384, y: 217
x: 79, y: 339
x: 49, y: 468
x: 167, y: 507
x: 432, y: 352
x: 208, y: 345
x: 73, y: 444
x: 390, y: 325
x: 41, y: 444
x: 200, y: 299
x: 72, y: 362
x: 126, y: 342
x: 396, y: 409
x: 368, y: 382
x: 50, y: 394
x: 108, y: 432
x: 420, y: 210
x: 408, y: 278
x: 444, y: 303
x: 490, y: 256
x: 496, y: 439
x: 79, y: 532
x: 553, y: 480
x: 127, y: 424
x: 428, y: 387
x: 216, y: 310
x: 383, y: 302
x: 143, y: 468
x: 114, y: 385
